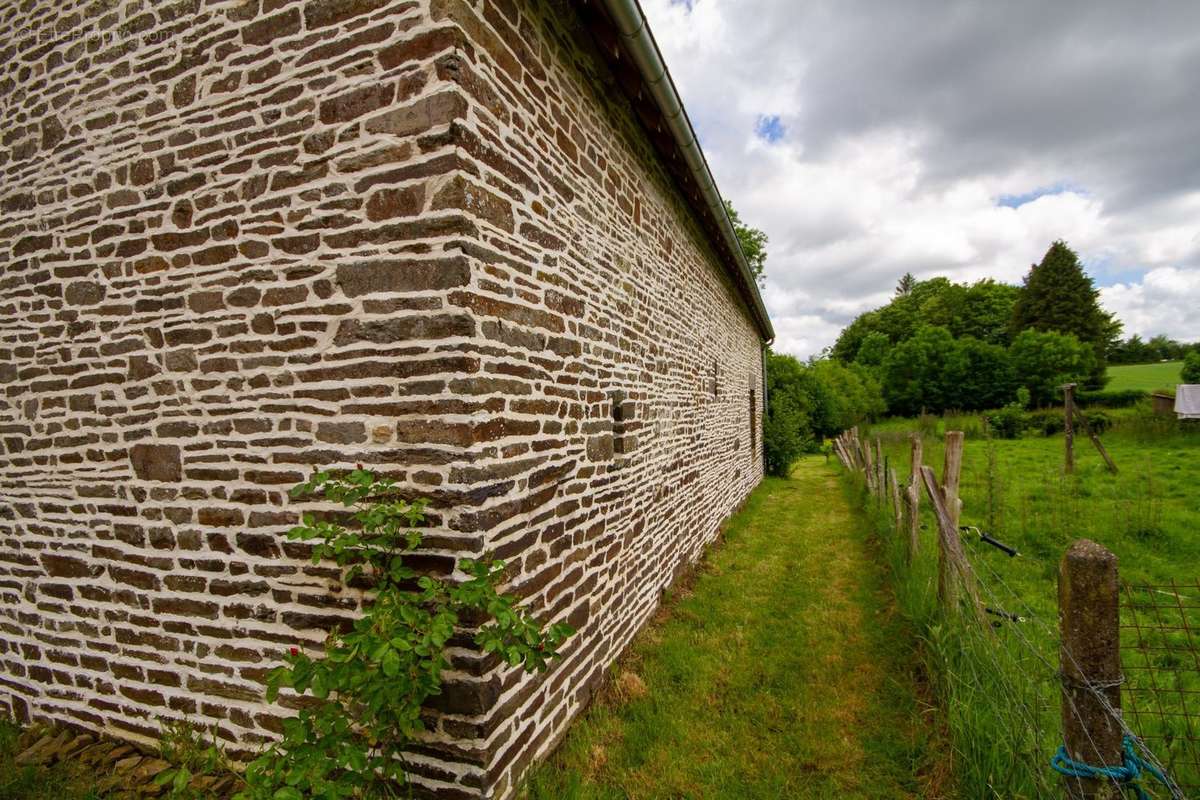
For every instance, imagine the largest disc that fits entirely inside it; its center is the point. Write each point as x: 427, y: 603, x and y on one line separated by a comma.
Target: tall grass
x: 997, y: 685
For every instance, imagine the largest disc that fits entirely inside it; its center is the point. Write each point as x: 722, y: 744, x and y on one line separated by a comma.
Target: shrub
x: 1123, y: 398
x: 787, y: 426
x: 809, y: 402
x: 368, y: 691
x: 1045, y: 361
x: 1098, y: 421
x: 1009, y: 422
x: 1191, y: 368
x: 1048, y: 421
x: 785, y: 437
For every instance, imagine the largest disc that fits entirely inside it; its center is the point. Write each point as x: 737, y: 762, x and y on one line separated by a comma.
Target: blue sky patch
x: 1018, y: 200
x: 769, y: 128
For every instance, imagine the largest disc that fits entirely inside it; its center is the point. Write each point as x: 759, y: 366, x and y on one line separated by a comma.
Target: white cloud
x: 1167, y: 300
x: 904, y: 129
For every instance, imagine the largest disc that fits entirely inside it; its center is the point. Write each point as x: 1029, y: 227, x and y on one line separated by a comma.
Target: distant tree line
x: 1135, y: 350
x: 939, y: 345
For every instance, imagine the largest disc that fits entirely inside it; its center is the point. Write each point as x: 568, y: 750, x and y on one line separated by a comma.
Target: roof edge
x: 637, y: 41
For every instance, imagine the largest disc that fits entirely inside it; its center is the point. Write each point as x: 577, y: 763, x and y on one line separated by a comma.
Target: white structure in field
x: 1187, y: 401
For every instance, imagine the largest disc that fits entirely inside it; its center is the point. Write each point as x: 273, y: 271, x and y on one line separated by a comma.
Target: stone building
x: 470, y: 243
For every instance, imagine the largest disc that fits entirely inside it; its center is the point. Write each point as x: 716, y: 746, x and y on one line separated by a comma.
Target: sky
x: 870, y: 139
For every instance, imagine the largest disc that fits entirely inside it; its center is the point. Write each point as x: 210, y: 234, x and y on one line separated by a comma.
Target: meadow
x: 998, y: 688
x: 1143, y: 377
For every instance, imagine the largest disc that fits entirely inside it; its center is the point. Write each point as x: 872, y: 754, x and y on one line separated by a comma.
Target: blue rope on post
x: 1126, y: 774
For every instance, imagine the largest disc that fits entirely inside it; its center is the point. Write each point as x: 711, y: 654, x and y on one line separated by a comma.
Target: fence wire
x: 1160, y: 657
x: 1018, y: 657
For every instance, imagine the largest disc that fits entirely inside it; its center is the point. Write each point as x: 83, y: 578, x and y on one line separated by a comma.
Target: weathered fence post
x: 1068, y: 427
x: 1087, y: 428
x: 954, y: 571
x: 896, y: 512
x: 869, y: 469
x: 951, y: 470
x: 1090, y: 663
x: 881, y: 466
x: 914, y: 498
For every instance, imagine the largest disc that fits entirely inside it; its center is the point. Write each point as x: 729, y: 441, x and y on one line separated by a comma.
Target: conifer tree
x: 1057, y: 295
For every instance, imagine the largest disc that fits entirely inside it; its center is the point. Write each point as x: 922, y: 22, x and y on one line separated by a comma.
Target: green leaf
x: 182, y: 777
x: 391, y: 664
x: 287, y: 793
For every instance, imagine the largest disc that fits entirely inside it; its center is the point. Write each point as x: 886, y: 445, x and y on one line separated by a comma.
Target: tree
x: 873, y: 350
x: 924, y: 372
x: 810, y: 402
x: 842, y: 396
x: 906, y: 285
x: 1058, y: 296
x: 753, y: 242
x: 982, y: 310
x: 988, y: 380
x: 1191, y: 368
x: 1163, y: 348
x: 787, y: 431
x: 846, y: 348
x: 1044, y: 360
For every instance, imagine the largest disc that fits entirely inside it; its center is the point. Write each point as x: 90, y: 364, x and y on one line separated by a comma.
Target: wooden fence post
x: 869, y: 469
x: 1068, y: 427
x: 1090, y: 663
x: 881, y: 467
x: 914, y: 498
x: 1087, y: 428
x: 879, y: 462
x: 954, y: 569
x: 896, y: 511
x: 951, y: 471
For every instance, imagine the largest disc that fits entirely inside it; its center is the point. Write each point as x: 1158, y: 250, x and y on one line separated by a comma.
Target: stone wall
x: 243, y: 238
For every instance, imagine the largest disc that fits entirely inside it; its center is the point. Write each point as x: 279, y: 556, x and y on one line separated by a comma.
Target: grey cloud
x: 906, y: 119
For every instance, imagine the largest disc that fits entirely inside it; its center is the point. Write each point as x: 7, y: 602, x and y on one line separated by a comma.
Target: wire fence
x: 1013, y: 685
x: 1160, y: 658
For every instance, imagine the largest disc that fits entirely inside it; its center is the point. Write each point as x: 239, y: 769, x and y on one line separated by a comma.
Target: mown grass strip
x: 779, y: 671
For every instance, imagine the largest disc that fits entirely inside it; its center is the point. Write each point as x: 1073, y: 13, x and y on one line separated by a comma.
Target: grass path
x: 780, y: 672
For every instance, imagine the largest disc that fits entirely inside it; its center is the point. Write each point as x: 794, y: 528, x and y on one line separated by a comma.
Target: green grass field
x: 781, y: 671
x: 1144, y: 377
x: 1000, y: 691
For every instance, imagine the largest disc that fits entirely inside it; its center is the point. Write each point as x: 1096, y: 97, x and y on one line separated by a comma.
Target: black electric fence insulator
x: 1006, y: 615
x: 987, y: 538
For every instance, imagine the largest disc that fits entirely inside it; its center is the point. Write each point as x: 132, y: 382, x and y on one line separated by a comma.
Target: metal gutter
x: 638, y: 42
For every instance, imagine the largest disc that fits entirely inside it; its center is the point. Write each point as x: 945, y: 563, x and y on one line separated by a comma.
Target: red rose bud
x: 295, y: 651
